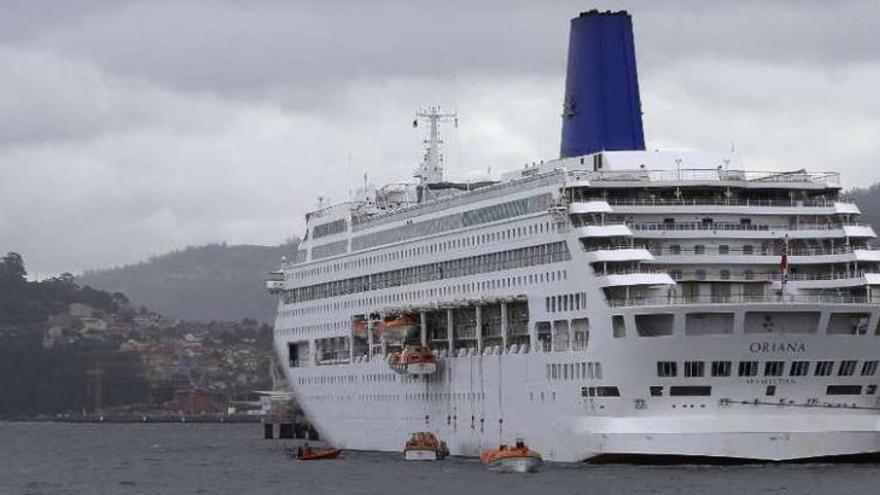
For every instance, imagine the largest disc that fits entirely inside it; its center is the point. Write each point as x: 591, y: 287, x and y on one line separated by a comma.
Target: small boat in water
x: 516, y: 459
x: 307, y: 453
x: 424, y: 446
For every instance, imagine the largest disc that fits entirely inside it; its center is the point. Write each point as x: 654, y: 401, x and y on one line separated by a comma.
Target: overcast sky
x: 128, y: 129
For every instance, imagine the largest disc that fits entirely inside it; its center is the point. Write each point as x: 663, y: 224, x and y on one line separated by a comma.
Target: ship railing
x: 711, y: 202
x: 741, y: 299
x: 612, y: 247
x: 764, y: 276
x: 628, y: 271
x: 440, y: 204
x: 681, y: 251
x: 706, y: 174
x: 674, y: 226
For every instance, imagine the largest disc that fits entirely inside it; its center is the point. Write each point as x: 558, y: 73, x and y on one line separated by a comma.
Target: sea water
x: 92, y: 459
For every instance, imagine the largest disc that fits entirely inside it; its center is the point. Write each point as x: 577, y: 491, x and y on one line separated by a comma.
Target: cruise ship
x: 615, y: 302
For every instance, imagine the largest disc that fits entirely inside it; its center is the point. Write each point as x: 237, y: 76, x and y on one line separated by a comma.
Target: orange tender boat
x: 307, y: 453
x: 516, y: 459
x: 418, y: 360
x: 424, y: 446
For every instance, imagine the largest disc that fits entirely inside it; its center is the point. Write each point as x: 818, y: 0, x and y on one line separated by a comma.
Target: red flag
x: 783, y: 263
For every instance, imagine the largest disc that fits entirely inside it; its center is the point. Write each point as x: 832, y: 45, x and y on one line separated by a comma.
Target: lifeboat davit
x: 359, y: 327
x: 398, y: 328
x: 516, y: 459
x: 418, y: 360
x: 424, y: 446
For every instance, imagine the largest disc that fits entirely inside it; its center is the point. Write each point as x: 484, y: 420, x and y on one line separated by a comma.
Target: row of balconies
x: 729, y: 231
x: 809, y: 299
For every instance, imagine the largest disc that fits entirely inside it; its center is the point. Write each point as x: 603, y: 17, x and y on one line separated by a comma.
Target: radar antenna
x: 431, y: 169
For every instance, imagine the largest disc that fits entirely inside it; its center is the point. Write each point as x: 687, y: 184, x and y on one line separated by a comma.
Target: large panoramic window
x: 485, y: 263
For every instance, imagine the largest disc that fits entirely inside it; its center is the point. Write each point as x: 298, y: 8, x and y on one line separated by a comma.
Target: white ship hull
x: 464, y: 404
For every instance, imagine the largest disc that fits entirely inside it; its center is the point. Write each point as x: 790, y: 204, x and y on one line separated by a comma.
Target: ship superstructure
x: 612, y: 302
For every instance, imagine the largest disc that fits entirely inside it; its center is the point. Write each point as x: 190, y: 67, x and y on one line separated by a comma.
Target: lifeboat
x: 306, y: 453
x: 424, y: 446
x: 418, y: 360
x: 394, y: 363
x: 397, y: 328
x: 514, y: 459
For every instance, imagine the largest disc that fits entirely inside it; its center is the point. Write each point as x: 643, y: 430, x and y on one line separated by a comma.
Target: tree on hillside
x: 12, y: 270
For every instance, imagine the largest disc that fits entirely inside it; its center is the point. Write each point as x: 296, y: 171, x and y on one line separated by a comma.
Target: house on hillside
x: 80, y: 310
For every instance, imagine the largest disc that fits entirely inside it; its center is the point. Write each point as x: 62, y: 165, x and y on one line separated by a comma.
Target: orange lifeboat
x: 394, y: 363
x: 515, y: 459
x: 307, y: 453
x: 418, y: 360
x: 424, y: 446
x: 397, y: 328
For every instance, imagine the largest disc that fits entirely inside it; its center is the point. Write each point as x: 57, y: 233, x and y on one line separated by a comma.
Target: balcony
x: 750, y: 231
x: 709, y: 176
x: 275, y: 282
x: 728, y: 206
x: 809, y: 299
x: 616, y: 277
x: 611, y: 230
x: 806, y: 256
x: 587, y: 207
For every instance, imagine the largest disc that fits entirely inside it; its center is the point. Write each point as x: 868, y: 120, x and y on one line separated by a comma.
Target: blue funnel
x: 602, y: 110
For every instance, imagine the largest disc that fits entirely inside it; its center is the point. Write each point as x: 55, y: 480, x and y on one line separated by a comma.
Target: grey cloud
x: 132, y: 128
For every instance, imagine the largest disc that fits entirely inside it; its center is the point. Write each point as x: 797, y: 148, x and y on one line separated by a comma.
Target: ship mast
x: 431, y: 169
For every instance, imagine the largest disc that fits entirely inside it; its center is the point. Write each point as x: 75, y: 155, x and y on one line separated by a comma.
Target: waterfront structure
x: 621, y: 302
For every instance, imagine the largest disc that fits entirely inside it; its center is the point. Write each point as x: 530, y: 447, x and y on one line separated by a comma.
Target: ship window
x: 748, y: 249
x: 607, y: 392
x: 871, y: 389
x: 771, y: 390
x: 869, y: 368
x: 723, y: 249
x: 618, y: 326
x: 292, y: 355
x: 748, y: 368
x: 654, y: 325
x: 843, y: 390
x: 721, y: 368
x: 690, y: 391
x: 774, y: 368
x: 694, y: 368
x: 847, y: 368
x: 699, y: 249
x: 701, y: 274
x: 799, y: 368
x: 667, y: 369
x: 656, y: 391
x: 675, y: 249
x: 748, y: 274
x: 823, y: 368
